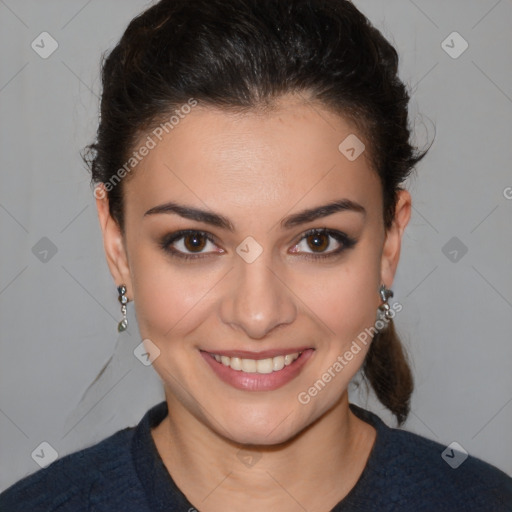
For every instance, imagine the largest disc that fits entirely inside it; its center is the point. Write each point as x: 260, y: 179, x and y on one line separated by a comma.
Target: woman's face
x: 249, y: 281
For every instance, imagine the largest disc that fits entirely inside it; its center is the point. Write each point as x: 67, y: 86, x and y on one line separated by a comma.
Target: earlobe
x: 113, y: 241
x: 393, y: 242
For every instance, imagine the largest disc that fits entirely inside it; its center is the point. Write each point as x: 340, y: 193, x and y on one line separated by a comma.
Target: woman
x: 248, y: 163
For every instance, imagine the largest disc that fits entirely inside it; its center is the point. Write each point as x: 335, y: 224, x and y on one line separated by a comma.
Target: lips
x: 266, y: 365
x: 261, y: 371
x: 264, y: 354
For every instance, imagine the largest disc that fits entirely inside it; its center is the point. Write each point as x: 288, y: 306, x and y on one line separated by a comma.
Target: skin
x: 256, y: 169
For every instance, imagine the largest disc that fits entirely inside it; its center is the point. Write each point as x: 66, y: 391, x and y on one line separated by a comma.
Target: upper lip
x: 264, y: 354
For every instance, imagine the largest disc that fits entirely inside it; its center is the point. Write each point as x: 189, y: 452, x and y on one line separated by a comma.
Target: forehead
x: 255, y: 160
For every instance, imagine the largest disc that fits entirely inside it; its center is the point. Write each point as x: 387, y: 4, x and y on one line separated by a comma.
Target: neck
x: 315, y: 469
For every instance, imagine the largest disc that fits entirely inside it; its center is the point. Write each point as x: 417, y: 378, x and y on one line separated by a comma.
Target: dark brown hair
x: 241, y: 55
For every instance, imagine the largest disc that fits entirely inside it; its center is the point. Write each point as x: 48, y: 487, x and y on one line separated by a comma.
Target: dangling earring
x: 384, y: 311
x: 123, y: 299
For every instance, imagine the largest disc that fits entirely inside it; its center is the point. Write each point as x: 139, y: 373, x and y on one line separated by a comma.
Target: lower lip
x: 258, y: 381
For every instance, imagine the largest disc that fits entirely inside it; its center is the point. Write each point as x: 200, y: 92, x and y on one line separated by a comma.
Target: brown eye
x: 195, y: 242
x: 323, y: 243
x: 318, y: 242
x: 190, y: 244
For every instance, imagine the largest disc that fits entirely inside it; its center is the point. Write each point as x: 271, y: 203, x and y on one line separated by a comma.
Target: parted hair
x: 242, y: 55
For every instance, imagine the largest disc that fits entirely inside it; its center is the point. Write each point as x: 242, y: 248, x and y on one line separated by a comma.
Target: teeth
x: 272, y: 364
x: 249, y: 365
x: 278, y: 363
x: 265, y: 365
x: 288, y: 359
x: 234, y: 362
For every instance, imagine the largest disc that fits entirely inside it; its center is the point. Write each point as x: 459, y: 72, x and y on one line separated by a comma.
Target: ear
x: 393, y: 242
x: 113, y: 241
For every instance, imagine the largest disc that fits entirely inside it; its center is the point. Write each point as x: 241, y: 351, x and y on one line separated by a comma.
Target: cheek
x: 346, y: 300
x: 171, y: 300
x: 165, y: 296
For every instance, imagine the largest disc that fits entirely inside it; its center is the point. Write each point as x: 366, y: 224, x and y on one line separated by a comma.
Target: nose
x: 257, y: 300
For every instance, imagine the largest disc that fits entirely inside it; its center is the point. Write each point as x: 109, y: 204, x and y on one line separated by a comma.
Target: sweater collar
x: 163, y: 494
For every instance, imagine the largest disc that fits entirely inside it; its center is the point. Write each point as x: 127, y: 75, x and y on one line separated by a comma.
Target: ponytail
x: 387, y: 370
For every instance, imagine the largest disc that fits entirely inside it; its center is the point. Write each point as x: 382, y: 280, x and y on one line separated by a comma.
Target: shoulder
x: 414, y: 471
x: 447, y: 476
x: 77, y: 480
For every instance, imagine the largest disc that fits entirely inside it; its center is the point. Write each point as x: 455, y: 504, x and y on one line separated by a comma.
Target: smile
x: 269, y: 365
x: 261, y: 372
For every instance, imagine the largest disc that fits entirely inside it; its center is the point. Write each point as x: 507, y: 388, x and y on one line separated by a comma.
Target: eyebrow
x: 293, y: 220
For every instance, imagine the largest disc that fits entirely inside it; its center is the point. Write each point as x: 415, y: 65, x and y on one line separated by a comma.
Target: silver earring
x: 385, y: 309
x: 123, y: 299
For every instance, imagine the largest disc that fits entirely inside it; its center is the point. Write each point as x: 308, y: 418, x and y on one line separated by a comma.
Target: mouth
x: 261, y: 365
x: 262, y: 371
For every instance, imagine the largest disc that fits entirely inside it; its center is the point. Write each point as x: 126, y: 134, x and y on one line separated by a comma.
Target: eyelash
x: 345, y: 241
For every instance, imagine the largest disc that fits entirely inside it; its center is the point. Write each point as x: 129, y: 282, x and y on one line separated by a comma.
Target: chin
x: 269, y: 427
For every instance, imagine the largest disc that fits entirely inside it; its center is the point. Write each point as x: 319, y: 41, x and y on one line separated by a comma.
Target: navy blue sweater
x: 124, y: 472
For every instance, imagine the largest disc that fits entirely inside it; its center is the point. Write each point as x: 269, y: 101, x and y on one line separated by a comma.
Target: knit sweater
x: 124, y: 472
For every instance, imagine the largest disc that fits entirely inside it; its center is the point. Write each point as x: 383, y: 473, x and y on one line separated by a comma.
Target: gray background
x: 58, y: 312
